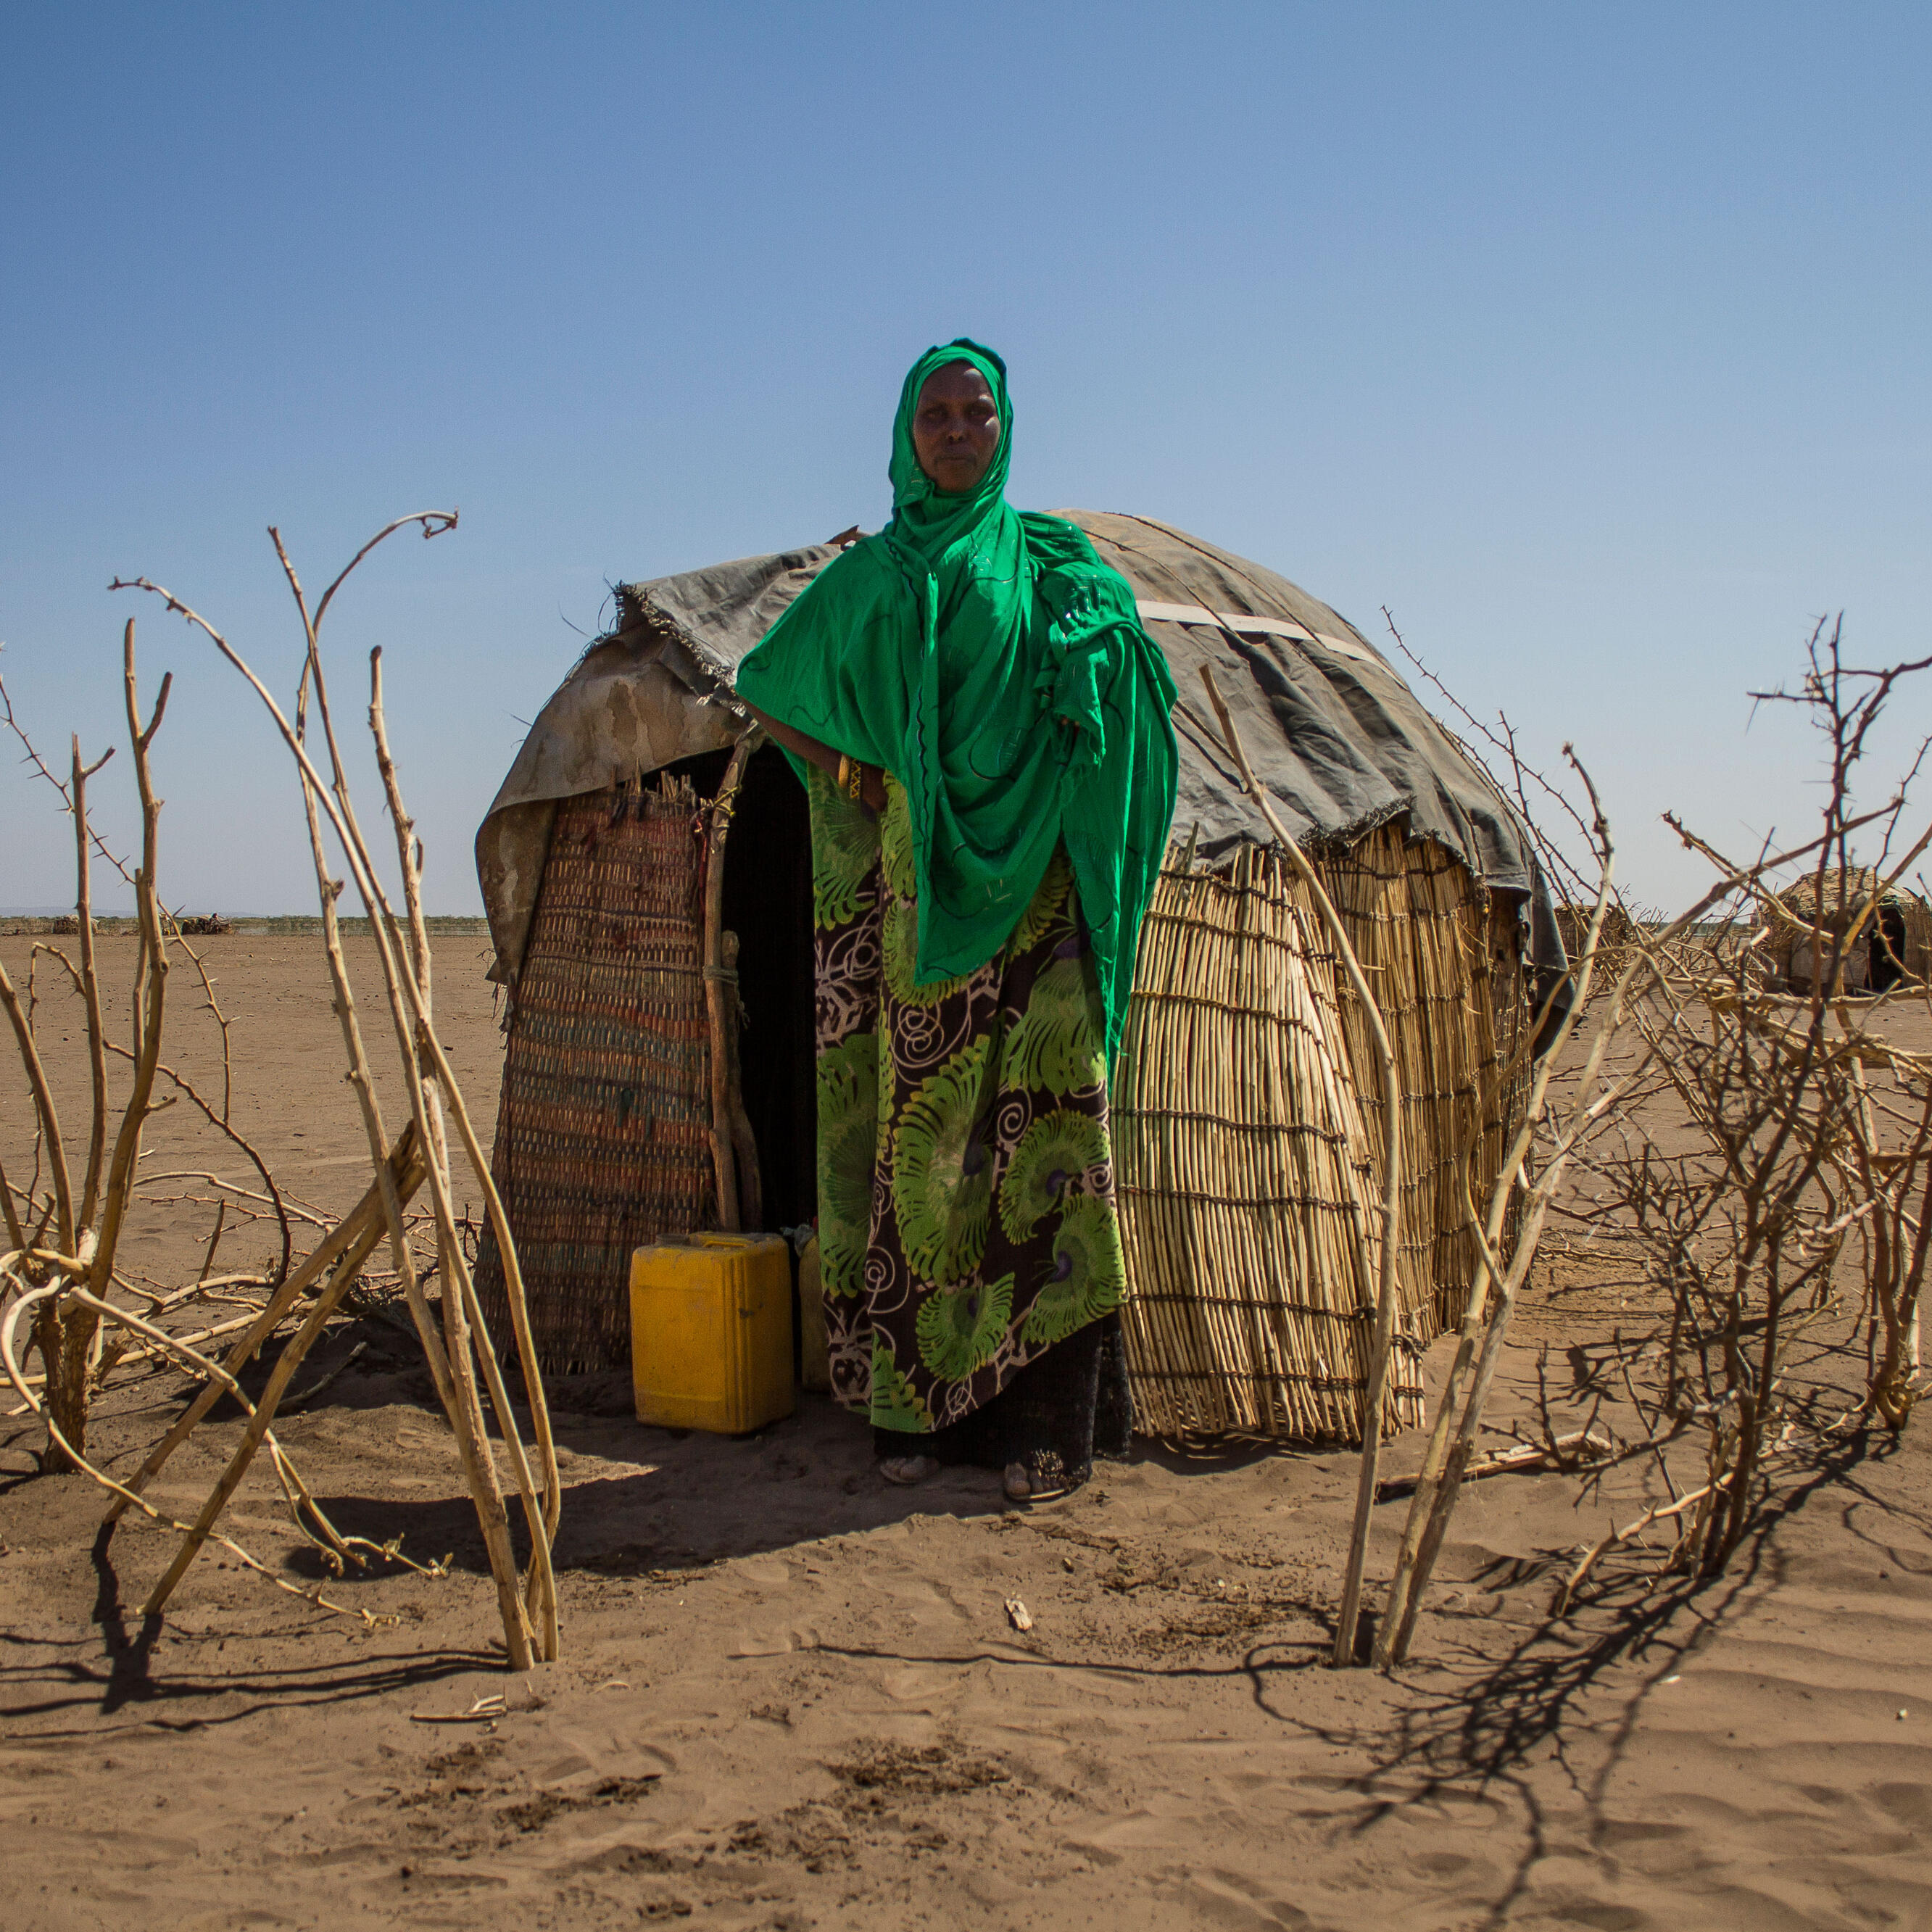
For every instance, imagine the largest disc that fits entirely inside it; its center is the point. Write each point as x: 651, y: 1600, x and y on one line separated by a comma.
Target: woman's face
x: 955, y: 428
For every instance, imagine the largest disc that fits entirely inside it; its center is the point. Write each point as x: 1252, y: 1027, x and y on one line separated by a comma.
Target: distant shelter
x: 1877, y: 935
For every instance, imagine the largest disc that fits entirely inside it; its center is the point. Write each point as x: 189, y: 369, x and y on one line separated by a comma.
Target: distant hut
x: 1615, y: 938
x: 1889, y: 929
x: 1248, y: 1126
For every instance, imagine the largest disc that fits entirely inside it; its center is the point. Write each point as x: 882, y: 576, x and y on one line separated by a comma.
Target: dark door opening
x: 768, y: 904
x: 1887, y: 949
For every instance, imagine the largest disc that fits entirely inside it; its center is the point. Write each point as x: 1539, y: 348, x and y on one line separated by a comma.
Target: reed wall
x: 603, y: 1124
x: 1249, y: 1133
x: 1248, y: 1125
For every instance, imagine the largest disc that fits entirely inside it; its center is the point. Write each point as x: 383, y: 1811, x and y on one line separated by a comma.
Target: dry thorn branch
x: 431, y: 1085
x: 8, y: 1360
x: 1344, y: 1653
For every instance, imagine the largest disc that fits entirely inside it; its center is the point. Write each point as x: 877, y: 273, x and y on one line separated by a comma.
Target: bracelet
x: 851, y: 777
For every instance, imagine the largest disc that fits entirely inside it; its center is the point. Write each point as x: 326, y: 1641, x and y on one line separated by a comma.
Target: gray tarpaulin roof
x: 1330, y: 727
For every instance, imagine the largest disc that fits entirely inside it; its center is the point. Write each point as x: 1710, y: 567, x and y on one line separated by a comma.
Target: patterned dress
x: 967, y: 1223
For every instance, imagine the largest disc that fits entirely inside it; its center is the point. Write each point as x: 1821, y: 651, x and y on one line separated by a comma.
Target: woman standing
x: 982, y: 725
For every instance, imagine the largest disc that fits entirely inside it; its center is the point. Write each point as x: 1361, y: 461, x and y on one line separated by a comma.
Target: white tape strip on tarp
x: 1244, y: 625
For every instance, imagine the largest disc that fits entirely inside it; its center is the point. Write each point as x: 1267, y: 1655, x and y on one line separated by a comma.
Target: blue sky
x: 1590, y: 339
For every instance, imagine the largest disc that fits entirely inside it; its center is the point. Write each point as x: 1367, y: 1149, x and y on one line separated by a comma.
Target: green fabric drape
x: 997, y: 668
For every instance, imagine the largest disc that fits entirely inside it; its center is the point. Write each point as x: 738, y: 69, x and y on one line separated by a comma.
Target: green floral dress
x: 966, y: 1214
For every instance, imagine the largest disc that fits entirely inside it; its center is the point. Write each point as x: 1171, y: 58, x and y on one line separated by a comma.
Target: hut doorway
x: 768, y: 904
x: 1888, y: 954
x: 604, y: 1125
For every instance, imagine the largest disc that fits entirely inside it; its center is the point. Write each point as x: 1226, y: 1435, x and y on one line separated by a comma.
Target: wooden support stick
x: 1459, y: 1410
x: 718, y: 989
x: 744, y: 1142
x: 1385, y: 1298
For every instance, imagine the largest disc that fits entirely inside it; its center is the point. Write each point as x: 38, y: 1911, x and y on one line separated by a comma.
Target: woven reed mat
x: 1444, y: 968
x: 1248, y: 1129
x: 603, y: 1127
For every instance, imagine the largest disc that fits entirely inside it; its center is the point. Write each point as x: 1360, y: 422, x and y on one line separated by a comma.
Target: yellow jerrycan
x: 711, y: 1332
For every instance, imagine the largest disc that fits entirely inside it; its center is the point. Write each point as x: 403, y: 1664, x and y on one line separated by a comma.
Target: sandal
x: 905, y: 1470
x: 1020, y: 1487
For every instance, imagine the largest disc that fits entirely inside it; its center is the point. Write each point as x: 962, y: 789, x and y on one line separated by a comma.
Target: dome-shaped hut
x: 647, y: 878
x: 1847, y: 917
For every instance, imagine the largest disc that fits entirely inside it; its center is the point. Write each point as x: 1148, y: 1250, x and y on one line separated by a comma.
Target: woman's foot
x: 1021, y: 1487
x: 905, y: 1470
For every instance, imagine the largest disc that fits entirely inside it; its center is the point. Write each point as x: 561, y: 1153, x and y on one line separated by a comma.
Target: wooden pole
x: 1344, y: 1653
x: 719, y: 984
x: 744, y: 1142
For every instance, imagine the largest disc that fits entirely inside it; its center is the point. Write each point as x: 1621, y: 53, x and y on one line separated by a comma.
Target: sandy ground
x: 791, y: 1697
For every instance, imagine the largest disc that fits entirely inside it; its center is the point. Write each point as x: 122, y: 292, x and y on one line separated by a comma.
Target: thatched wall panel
x: 1422, y: 928
x: 1249, y: 1132
x: 603, y: 1127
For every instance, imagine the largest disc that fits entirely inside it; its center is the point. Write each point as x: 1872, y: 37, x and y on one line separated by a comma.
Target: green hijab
x: 998, y: 669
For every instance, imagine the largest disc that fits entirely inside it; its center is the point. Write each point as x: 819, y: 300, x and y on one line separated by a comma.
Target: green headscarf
x: 997, y: 668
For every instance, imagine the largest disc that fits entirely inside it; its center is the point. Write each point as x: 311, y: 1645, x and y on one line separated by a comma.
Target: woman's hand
x: 872, y: 779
